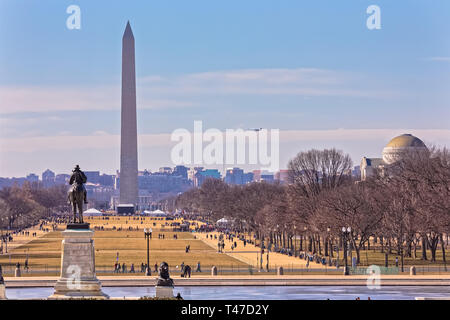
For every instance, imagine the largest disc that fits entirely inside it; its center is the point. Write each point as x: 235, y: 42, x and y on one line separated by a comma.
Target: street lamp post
x: 261, y: 256
x: 327, y: 243
x: 276, y: 235
x: 337, y: 259
x: 345, y: 233
x: 148, y: 235
x: 295, y: 241
x: 307, y: 242
x: 262, y: 250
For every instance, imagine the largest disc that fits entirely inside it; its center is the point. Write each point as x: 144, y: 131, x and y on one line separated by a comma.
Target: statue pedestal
x: 78, y: 279
x: 164, y: 292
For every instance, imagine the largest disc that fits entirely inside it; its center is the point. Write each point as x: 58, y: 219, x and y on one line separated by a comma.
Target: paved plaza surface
x: 258, y: 280
x: 261, y: 293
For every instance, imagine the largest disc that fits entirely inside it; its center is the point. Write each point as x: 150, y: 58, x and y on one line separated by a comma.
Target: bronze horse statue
x: 77, y: 194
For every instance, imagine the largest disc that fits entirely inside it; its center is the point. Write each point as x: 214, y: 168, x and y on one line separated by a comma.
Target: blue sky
x: 291, y: 65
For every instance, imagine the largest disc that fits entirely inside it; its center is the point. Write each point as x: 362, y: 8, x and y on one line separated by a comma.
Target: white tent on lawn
x: 92, y: 213
x: 156, y: 213
x: 223, y: 221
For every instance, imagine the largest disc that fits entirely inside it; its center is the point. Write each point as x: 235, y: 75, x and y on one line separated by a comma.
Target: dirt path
x: 250, y: 254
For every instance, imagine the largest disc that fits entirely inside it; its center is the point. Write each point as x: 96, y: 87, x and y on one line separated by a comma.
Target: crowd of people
x: 45, y: 225
x: 230, y: 236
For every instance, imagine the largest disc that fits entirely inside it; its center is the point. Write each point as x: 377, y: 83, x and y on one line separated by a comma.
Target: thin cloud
x: 261, y: 82
x: 189, y: 90
x: 102, y: 140
x: 445, y: 59
x: 52, y: 99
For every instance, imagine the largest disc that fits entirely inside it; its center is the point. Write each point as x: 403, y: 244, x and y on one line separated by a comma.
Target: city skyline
x: 128, y: 122
x: 36, y: 176
x: 310, y: 139
x: 327, y: 82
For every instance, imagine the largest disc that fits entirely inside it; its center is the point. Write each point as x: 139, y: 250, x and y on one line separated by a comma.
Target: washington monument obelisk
x: 128, y: 143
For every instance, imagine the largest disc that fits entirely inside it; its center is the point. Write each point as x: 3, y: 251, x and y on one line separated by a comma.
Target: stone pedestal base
x: 2, y: 292
x: 83, y: 289
x: 164, y: 292
x: 78, y: 279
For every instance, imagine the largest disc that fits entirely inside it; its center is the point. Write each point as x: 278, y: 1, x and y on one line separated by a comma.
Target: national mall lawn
x: 44, y: 251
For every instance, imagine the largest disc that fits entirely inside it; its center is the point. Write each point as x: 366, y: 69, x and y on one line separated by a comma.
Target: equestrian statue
x: 77, y: 193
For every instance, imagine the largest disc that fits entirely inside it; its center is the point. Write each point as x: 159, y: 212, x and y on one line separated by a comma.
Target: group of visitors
x: 220, y: 246
x: 185, y: 270
x: 318, y: 259
x: 211, y: 236
x: 143, y: 267
x: 123, y: 268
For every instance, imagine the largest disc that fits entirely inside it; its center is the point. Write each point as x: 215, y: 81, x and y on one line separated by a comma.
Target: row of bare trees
x: 400, y: 209
x: 21, y: 207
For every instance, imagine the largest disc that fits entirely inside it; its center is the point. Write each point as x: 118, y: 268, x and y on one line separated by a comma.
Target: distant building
x: 201, y: 176
x: 248, y: 177
x: 62, y: 178
x: 260, y: 175
x: 32, y: 177
x: 369, y: 166
x: 146, y: 201
x: 181, y: 171
x: 98, y: 195
x: 48, y: 175
x: 166, y: 170
x: 282, y: 176
x: 117, y: 181
x: 193, y: 171
x: 9, y: 182
x: 92, y: 176
x: 106, y: 180
x: 269, y: 177
x: 154, y: 186
x: 192, y: 175
x: 356, y: 172
x: 162, y: 182
x: 234, y: 176
x: 48, y: 178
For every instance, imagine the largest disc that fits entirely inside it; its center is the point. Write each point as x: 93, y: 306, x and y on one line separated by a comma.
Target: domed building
x: 397, y: 148
x: 401, y: 145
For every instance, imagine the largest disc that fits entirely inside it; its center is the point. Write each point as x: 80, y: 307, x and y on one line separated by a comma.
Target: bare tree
x: 316, y: 170
x: 350, y: 206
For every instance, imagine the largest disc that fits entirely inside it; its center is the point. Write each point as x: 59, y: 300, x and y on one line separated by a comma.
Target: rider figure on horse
x: 79, y: 177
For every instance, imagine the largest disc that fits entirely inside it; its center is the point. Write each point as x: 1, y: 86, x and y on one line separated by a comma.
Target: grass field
x: 45, y: 252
